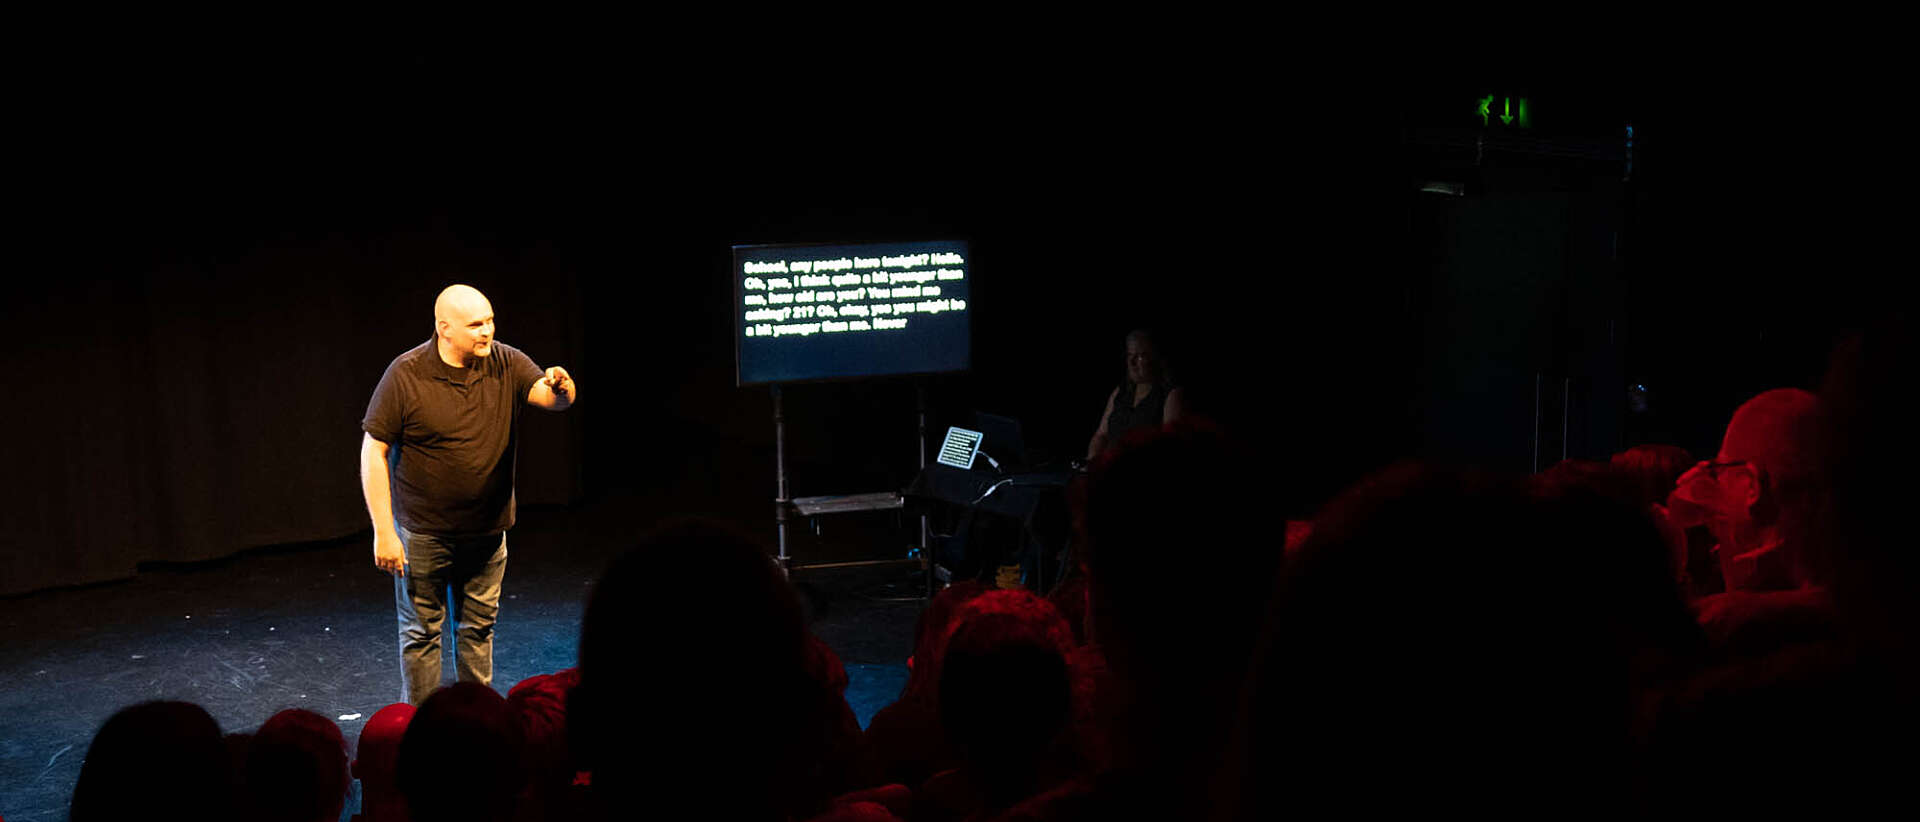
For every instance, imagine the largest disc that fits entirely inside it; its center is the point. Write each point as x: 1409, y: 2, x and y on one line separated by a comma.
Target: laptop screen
x: 959, y: 448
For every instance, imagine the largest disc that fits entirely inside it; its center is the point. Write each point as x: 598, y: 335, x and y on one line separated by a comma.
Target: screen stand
x: 926, y: 533
x: 785, y: 508
x: 780, y: 501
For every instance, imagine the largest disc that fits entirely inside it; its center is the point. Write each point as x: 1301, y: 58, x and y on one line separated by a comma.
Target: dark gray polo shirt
x: 453, y: 433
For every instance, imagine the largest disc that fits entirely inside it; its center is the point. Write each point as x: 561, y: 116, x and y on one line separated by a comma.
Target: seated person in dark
x: 1147, y: 398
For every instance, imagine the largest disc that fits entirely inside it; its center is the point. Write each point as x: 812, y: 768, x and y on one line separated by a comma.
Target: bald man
x: 436, y: 466
x: 1762, y: 497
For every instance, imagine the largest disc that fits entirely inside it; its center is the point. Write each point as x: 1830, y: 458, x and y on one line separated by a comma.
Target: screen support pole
x: 926, y: 537
x: 780, y: 500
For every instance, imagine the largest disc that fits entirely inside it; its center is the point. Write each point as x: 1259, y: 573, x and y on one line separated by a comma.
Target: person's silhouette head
x: 296, y: 768
x: 376, y: 759
x: 698, y: 596
x: 460, y: 757
x: 154, y: 755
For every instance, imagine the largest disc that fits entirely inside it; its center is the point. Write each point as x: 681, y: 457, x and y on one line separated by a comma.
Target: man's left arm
x: 554, y: 391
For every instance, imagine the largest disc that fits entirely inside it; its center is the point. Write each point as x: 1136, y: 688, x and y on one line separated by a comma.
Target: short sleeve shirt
x: 453, y: 434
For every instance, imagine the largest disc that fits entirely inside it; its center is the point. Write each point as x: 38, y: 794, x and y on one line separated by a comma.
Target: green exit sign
x: 1507, y: 110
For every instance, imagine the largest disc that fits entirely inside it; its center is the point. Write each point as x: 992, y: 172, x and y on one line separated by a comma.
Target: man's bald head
x: 457, y: 301
x: 1779, y: 435
x: 463, y: 324
x: 1780, y: 431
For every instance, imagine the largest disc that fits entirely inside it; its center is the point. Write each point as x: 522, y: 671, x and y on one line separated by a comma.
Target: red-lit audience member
x: 1651, y: 471
x: 1594, y: 476
x: 1005, y: 696
x: 153, y: 759
x: 1297, y: 532
x: 460, y: 759
x: 1804, y: 713
x: 297, y: 769
x: 376, y: 758
x: 1181, y: 560
x: 539, y: 704
x: 1763, y: 497
x: 904, y: 743
x: 1654, y: 471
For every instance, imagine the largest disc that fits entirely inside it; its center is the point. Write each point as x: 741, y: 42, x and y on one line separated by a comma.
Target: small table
x: 811, y: 507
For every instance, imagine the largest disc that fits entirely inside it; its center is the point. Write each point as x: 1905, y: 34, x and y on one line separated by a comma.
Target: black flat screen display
x: 823, y: 312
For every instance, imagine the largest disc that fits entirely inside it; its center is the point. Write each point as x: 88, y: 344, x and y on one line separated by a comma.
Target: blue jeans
x: 470, y: 568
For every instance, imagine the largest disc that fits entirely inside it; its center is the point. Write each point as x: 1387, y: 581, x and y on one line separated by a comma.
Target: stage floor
x: 312, y: 626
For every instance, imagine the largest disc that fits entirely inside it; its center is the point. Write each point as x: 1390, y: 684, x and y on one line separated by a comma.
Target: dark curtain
x: 202, y: 395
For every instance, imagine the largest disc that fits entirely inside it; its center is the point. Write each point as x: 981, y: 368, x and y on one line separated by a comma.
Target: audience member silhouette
x: 237, y: 744
x: 296, y: 769
x: 1624, y: 567
x: 695, y: 696
x: 1876, y: 572
x: 1426, y: 649
x: 1584, y: 478
x: 904, y: 742
x: 840, y: 758
x: 1070, y: 593
x: 376, y: 761
x: 460, y: 758
x: 152, y: 759
x: 1175, y: 647
x: 1654, y: 469
x: 1006, y: 704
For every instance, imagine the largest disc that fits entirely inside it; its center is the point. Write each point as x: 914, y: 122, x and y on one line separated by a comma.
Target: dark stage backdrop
x: 192, y: 378
x: 191, y: 382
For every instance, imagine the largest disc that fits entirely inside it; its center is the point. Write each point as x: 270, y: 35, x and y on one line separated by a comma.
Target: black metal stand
x: 926, y: 531
x: 785, y: 507
x: 780, y: 501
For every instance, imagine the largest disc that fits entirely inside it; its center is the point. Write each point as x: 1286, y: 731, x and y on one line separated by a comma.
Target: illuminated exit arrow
x: 1507, y: 118
x: 1484, y: 105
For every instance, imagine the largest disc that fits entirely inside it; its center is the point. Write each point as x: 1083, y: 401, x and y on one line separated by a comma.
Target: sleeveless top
x: 1148, y: 413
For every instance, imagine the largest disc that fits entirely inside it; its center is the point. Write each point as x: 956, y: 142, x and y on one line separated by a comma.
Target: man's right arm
x: 389, y: 554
